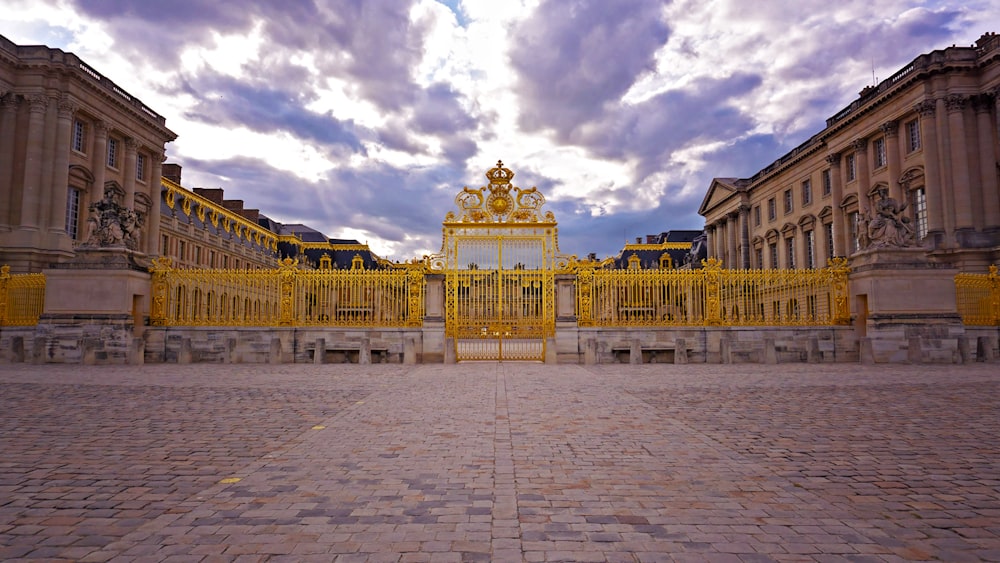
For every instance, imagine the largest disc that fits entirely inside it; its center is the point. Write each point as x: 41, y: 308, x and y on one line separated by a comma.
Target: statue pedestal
x: 95, y: 308
x: 905, y: 306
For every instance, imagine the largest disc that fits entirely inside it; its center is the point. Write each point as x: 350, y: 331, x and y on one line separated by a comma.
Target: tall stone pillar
x: 863, y: 173
x: 8, y: 121
x: 933, y: 185
x: 989, y: 190
x: 709, y: 242
x: 960, y: 198
x: 840, y: 227
x: 60, y: 172
x: 891, y: 131
x: 152, y: 245
x: 744, y: 237
x: 31, y: 197
x: 98, y: 161
x: 732, y: 232
x: 128, y: 174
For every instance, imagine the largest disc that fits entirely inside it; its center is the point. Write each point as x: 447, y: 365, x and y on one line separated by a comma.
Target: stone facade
x: 69, y: 138
x: 926, y: 138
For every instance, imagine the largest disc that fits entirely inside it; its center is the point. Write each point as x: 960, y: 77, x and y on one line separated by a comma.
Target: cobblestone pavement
x: 500, y: 462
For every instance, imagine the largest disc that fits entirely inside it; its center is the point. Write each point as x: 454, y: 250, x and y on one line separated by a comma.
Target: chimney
x: 172, y: 172
x: 650, y: 239
x: 211, y: 194
x: 234, y: 205
x: 251, y: 214
x: 638, y: 240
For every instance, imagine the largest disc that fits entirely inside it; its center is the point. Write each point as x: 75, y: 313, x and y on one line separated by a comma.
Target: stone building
x: 918, y: 152
x: 70, y: 138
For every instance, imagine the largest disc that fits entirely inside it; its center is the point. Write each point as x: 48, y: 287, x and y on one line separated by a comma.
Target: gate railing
x: 978, y: 298
x: 286, y: 296
x: 713, y: 296
x: 22, y: 298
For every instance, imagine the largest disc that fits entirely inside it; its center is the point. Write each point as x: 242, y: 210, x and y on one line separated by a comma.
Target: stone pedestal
x: 905, y: 305
x: 95, y: 305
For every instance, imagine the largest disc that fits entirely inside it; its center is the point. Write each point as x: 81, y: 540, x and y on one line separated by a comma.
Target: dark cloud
x: 224, y: 100
x: 575, y: 60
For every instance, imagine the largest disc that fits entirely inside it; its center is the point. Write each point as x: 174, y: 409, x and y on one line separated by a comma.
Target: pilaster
x: 840, y: 227
x: 960, y: 198
x: 31, y: 196
x: 932, y: 171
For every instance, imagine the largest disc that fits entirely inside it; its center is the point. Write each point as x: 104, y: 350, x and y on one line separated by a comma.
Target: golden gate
x: 499, y: 256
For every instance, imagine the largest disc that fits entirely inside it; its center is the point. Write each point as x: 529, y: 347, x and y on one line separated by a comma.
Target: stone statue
x: 698, y: 252
x: 887, y: 226
x: 113, y: 225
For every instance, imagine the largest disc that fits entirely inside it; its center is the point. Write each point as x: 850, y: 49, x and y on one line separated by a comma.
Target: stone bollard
x: 185, y: 355
x: 590, y: 351
x: 865, y: 352
x: 17, y: 349
x: 635, y: 352
x: 551, y: 356
x: 230, y: 351
x: 680, y: 351
x: 770, y: 351
x: 812, y: 352
x: 319, y: 352
x: 365, y: 352
x: 274, y: 353
x: 449, y: 351
x: 725, y: 350
x: 965, y: 350
x: 913, y: 354
x: 137, y: 352
x: 88, y: 351
x: 38, y: 350
x: 409, y: 350
x: 984, y: 349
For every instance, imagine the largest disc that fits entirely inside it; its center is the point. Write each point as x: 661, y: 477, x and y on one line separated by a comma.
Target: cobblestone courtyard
x: 500, y: 462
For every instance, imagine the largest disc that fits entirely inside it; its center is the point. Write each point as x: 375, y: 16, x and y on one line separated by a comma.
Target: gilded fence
x: 22, y: 298
x: 978, y: 298
x: 713, y: 296
x: 287, y: 296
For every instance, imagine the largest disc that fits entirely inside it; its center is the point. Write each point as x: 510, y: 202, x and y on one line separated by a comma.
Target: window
x: 164, y: 245
x: 828, y: 229
x: 810, y: 250
x: 756, y: 215
x: 79, y: 136
x: 773, y: 250
x: 225, y: 261
x: 920, y: 212
x: 788, y: 201
x: 790, y: 252
x: 807, y: 192
x: 912, y: 135
x: 112, y: 152
x: 180, y: 250
x: 852, y: 220
x: 879, y: 150
x: 197, y: 254
x: 827, y: 182
x: 759, y: 256
x: 211, y: 258
x: 852, y: 171
x: 772, y: 210
x: 73, y: 213
x: 140, y: 167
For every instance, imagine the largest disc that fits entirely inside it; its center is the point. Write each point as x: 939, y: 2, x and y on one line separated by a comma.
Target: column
x: 732, y: 232
x: 8, y: 121
x: 932, y: 171
x: 891, y: 131
x: 153, y: 221
x: 989, y: 191
x: 864, y: 179
x: 48, y: 152
x: 960, y: 198
x: 31, y: 196
x: 128, y: 172
x: 988, y: 145
x: 840, y: 227
x: 99, y: 160
x: 744, y: 236
x: 709, y: 242
x: 60, y: 172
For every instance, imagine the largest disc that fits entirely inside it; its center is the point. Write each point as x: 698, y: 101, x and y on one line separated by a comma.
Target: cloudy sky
x: 364, y: 118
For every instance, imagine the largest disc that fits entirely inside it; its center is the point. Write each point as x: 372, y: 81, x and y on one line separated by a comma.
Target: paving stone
x: 499, y: 462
